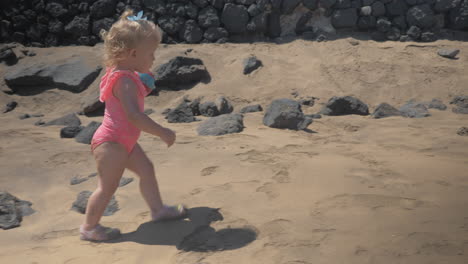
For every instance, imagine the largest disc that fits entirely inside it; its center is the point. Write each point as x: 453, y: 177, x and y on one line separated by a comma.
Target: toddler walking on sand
x: 129, y: 48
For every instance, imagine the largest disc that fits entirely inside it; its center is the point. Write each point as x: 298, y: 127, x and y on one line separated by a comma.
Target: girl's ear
x: 133, y: 53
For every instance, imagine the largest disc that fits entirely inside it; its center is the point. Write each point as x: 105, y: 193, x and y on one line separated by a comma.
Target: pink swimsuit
x: 116, y: 127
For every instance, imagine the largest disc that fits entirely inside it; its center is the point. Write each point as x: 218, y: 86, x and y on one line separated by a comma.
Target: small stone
x: 436, y: 104
x: 413, y: 109
x: 70, y: 131
x: 314, y: 116
x: 221, y: 125
x: 87, y: 133
x: 77, y: 180
x: 124, y: 181
x: 353, y: 42
x: 149, y: 111
x: 448, y: 53
x: 82, y: 200
x: 385, y: 110
x: 67, y: 120
x: 345, y: 105
x: 10, y: 106
x: 251, y: 109
x: 24, y: 116
x: 251, y: 64
x: 462, y: 131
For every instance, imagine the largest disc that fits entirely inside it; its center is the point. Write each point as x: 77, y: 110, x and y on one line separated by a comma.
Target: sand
x: 351, y: 190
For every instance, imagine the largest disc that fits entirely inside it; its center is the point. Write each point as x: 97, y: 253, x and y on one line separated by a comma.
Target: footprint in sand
x: 370, y: 201
x: 209, y: 170
x: 282, y: 176
x: 269, y: 189
x: 57, y: 234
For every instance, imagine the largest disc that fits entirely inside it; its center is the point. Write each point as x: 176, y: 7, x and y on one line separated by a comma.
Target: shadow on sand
x: 191, y: 234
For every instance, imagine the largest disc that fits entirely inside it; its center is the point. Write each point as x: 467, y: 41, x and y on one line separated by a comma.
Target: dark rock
x: 385, y: 110
x: 56, y: 27
x: 208, y: 17
x: 223, y: 105
x: 222, y: 40
x: 10, y: 106
x: 51, y: 40
x: 18, y: 37
x: 311, y: 4
x: 428, y: 37
x: 166, y: 111
x: 405, y: 38
x: 235, y: 18
x: 251, y: 109
x: 258, y: 23
x: 345, y: 105
x: 148, y: 111
x: 67, y: 120
x: 314, y: 116
x: 216, y: 33
x: 321, y: 38
x: 307, y: 101
x: 251, y: 64
x: 414, y: 109
x: 378, y: 36
x: 219, y: 4
x: 39, y: 123
x: 90, y: 104
x: 36, y: 32
x: 24, y: 116
x: 12, y: 210
x: 309, y: 35
x: 458, y: 16
x: 288, y: 6
x: 414, y: 32
x: 436, y: 104
x: 87, y: 133
x: 156, y: 5
x: 79, y: 205
x: 461, y: 103
x: 103, y: 8
x: 378, y: 9
x: 70, y: 131
x: 201, y: 3
x: 393, y: 34
x: 400, y: 22
x: 301, y: 26
x: 245, y: 2
x: 124, y: 181
x: 102, y: 24
x: 175, y: 9
x: 77, y: 180
x: 344, y: 18
x: 209, y: 109
x: 276, y: 5
x: 343, y: 4
x: 171, y: 25
x: 462, y: 131
x: 397, y: 8
x: 286, y: 114
x: 221, y: 125
x: 254, y: 10
x: 191, y: 10
x: 9, y: 57
x: 56, y: 10
x: 74, y: 75
x: 274, y: 24
x: 79, y: 26
x: 181, y: 71
x: 442, y: 6
x: 367, y: 22
x: 383, y: 25
x: 327, y: 3
x: 181, y: 114
x: 20, y: 22
x: 367, y: 2
x: 191, y: 32
x: 421, y: 16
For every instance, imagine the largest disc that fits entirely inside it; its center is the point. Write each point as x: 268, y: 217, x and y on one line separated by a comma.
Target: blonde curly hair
x: 126, y: 34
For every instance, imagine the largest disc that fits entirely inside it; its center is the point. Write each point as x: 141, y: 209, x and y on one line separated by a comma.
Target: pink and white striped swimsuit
x: 116, y: 127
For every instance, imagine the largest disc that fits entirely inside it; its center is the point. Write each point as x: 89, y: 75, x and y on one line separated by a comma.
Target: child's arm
x: 126, y: 91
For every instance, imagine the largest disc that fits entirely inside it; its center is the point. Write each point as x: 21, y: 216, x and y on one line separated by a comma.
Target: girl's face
x: 143, y: 56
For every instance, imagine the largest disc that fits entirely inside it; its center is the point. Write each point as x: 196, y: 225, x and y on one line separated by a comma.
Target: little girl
x: 129, y: 54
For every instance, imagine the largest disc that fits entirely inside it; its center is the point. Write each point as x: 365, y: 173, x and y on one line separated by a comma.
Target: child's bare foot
x: 99, y: 233
x: 169, y: 213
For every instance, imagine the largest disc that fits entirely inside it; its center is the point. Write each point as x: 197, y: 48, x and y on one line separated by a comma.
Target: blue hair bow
x: 148, y: 80
x: 139, y: 16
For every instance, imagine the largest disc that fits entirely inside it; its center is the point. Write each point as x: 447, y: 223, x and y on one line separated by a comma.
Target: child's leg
x: 111, y: 159
x: 140, y: 164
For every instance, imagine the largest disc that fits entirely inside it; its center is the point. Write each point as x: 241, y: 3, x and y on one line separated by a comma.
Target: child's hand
x: 168, y: 136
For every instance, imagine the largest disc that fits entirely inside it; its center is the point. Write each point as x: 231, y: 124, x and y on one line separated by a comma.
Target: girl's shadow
x: 191, y: 234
